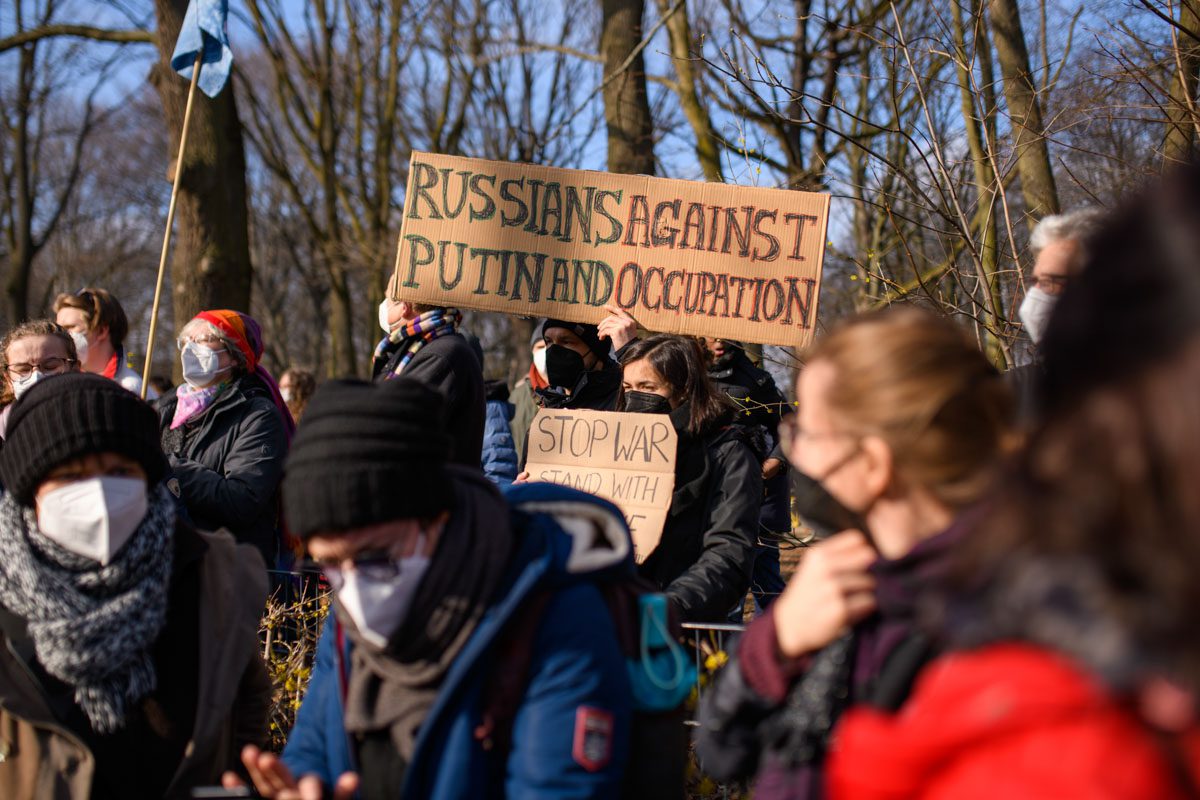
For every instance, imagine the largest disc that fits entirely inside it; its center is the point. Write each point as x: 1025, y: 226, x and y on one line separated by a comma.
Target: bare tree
x: 42, y: 150
x: 1024, y: 108
x: 626, y: 101
x: 211, y: 263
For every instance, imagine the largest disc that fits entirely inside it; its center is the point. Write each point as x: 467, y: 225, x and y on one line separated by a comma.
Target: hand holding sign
x: 618, y: 327
x: 628, y: 459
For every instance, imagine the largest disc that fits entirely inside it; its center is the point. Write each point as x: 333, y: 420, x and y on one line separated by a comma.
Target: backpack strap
x: 339, y: 656
x: 505, y: 686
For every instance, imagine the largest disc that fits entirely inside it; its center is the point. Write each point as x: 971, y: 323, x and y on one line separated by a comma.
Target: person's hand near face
x: 618, y: 327
x: 833, y: 588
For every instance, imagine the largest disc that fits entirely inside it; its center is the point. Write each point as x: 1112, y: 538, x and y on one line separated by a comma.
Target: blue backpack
x: 660, y: 673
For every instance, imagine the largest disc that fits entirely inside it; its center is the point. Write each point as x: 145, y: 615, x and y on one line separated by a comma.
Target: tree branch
x: 77, y: 31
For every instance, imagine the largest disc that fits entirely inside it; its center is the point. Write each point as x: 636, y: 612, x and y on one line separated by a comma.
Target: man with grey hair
x: 1058, y: 243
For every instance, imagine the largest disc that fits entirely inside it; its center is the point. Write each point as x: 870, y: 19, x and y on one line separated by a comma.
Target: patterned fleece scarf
x: 415, y: 334
x: 92, y: 626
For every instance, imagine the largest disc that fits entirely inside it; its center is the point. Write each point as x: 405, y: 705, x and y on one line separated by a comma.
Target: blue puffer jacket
x: 571, y: 733
x: 499, y: 460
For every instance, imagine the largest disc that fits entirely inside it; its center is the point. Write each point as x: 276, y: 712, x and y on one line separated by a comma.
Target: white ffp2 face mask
x: 379, y: 606
x: 95, y: 517
x: 1035, y: 312
x: 22, y: 385
x: 81, y: 345
x: 200, y: 365
x: 539, y: 362
x: 385, y: 310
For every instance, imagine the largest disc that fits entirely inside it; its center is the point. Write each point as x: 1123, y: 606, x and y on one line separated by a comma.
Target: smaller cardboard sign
x: 628, y: 459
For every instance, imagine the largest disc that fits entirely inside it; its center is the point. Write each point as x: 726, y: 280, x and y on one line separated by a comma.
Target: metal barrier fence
x: 709, y: 648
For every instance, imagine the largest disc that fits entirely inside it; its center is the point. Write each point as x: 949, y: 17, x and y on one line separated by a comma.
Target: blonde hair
x: 100, y: 309
x: 921, y: 384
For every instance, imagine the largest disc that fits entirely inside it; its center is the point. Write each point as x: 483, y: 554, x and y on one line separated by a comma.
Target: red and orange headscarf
x: 247, y: 335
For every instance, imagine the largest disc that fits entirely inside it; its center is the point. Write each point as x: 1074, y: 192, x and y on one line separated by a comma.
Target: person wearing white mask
x: 98, y: 324
x: 1058, y: 244
x: 129, y: 655
x: 33, y: 351
x: 296, y: 387
x: 423, y: 342
x: 434, y: 573
x: 226, y: 430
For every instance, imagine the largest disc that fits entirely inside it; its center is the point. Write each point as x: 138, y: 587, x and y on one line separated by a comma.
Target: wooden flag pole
x: 166, y: 246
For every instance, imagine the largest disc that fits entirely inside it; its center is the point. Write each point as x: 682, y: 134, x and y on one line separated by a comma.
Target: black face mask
x: 646, y: 403
x: 724, y: 360
x: 564, y: 367
x: 820, y: 510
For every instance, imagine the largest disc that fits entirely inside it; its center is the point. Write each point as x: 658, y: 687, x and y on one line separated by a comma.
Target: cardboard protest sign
x: 628, y: 459
x: 705, y: 259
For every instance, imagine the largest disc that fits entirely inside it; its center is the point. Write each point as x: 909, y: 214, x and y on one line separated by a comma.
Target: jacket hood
x: 586, y: 535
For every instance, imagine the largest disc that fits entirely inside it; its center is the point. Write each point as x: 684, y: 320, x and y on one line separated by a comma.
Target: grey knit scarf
x: 92, y: 626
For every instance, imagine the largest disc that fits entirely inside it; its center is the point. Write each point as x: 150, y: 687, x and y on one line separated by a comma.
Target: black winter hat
x: 71, y: 415
x: 365, y: 454
x: 590, y: 335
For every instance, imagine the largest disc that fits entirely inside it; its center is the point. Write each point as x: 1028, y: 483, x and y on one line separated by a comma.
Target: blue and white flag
x: 204, y: 28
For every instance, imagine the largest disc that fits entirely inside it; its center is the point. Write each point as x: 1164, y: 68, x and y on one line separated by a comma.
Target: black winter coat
x: 448, y: 365
x: 229, y: 462
x: 751, y: 388
x: 597, y: 390
x: 706, y: 554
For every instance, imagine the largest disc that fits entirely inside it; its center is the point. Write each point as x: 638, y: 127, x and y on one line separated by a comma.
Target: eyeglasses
x: 373, y: 565
x: 209, y: 340
x: 51, y: 366
x: 1051, y: 284
x: 790, y: 432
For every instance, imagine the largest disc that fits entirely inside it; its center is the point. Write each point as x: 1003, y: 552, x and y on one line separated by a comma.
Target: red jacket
x: 1006, y: 721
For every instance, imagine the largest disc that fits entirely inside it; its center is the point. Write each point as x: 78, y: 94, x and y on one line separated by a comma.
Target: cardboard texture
x: 702, y: 259
x: 628, y: 459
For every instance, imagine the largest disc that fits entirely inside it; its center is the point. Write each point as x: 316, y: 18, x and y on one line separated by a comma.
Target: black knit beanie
x: 590, y: 334
x: 365, y: 454
x: 66, y: 416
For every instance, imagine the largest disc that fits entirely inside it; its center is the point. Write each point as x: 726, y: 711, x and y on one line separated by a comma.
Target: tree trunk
x: 626, y: 102
x: 1025, y: 111
x: 679, y: 32
x: 1183, y: 113
x: 210, y: 262
x: 20, y: 260
x: 986, y: 183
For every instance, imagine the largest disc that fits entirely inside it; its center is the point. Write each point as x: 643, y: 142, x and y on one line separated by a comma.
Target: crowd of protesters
x: 1000, y: 601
